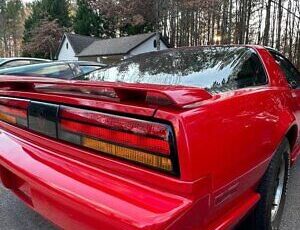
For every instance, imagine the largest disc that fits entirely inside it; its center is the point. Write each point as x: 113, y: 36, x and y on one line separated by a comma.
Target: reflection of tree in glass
x: 230, y: 82
x: 212, y: 68
x: 185, y: 61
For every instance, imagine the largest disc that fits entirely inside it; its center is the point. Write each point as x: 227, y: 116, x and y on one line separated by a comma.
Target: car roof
x: 90, y: 63
x: 24, y: 58
x: 48, y: 64
x: 7, y: 60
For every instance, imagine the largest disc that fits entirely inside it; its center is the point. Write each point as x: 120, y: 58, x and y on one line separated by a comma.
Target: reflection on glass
x: 216, y: 69
x: 2, y: 60
x: 52, y: 70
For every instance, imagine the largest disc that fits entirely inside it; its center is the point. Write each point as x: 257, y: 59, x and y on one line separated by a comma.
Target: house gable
x: 147, y: 46
x: 73, y: 44
x: 66, y: 51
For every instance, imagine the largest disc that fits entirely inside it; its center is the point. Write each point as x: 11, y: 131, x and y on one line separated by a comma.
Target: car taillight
x: 14, y: 111
x: 143, y: 142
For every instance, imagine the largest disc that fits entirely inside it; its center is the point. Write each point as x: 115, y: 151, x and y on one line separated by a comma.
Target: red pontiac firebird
x: 190, y: 138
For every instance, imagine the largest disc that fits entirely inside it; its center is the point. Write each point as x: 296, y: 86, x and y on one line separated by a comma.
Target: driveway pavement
x: 14, y: 215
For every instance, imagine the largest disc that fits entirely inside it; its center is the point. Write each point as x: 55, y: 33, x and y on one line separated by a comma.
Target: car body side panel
x: 232, y: 137
x: 221, y: 142
x: 278, y: 81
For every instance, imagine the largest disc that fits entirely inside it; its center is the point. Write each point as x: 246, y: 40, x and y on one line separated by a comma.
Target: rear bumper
x: 75, y: 196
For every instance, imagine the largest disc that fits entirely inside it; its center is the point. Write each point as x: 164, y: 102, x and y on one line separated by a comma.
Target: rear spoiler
x: 178, y: 96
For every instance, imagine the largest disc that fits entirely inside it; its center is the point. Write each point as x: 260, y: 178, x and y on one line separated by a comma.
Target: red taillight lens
x: 115, y: 122
x: 144, y: 142
x: 14, y: 111
x: 119, y: 137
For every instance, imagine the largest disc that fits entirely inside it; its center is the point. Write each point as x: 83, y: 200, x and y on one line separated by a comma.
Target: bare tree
x: 45, y: 40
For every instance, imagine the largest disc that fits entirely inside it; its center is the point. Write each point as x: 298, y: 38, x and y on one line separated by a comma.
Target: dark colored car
x: 62, y: 70
x: 182, y: 139
x: 20, y: 61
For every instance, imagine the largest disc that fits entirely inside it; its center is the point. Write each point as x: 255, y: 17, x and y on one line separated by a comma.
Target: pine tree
x: 37, y: 14
x: 58, y: 10
x: 90, y: 23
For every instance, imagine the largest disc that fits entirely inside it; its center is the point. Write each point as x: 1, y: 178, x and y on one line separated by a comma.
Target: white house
x: 71, y: 45
x: 107, y: 50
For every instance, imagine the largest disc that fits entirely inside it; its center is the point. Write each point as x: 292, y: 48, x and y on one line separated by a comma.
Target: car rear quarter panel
x: 230, y: 142
x: 231, y: 138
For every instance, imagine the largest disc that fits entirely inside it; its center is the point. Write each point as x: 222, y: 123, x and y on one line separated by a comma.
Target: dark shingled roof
x: 78, y: 42
x: 115, y: 46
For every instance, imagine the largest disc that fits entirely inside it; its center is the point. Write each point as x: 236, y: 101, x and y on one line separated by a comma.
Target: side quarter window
x: 291, y: 73
x: 251, y: 73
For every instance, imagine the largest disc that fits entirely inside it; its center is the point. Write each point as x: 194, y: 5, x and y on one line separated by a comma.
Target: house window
x: 67, y: 45
x: 155, y: 43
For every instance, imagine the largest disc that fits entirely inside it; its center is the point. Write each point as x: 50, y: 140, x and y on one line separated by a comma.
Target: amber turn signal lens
x: 160, y: 162
x: 13, y: 111
x: 8, y: 118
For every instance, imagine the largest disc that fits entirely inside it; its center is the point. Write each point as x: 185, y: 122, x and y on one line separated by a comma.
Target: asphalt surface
x: 14, y: 215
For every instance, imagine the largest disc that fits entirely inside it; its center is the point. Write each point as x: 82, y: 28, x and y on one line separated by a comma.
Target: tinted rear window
x: 41, y: 70
x: 216, y: 69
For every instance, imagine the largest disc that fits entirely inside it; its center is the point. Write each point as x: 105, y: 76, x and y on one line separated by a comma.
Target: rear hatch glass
x: 204, y: 67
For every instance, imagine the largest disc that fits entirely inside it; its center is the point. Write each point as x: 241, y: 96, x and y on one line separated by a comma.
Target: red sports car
x: 190, y: 138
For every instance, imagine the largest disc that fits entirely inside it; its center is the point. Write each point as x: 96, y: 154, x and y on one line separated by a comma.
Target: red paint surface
x: 224, y: 145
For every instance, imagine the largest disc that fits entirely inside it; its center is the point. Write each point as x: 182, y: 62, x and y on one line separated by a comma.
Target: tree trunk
x: 248, y: 20
x: 278, y: 42
x: 286, y: 27
x: 273, y: 26
x: 230, y: 21
x: 267, y: 23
